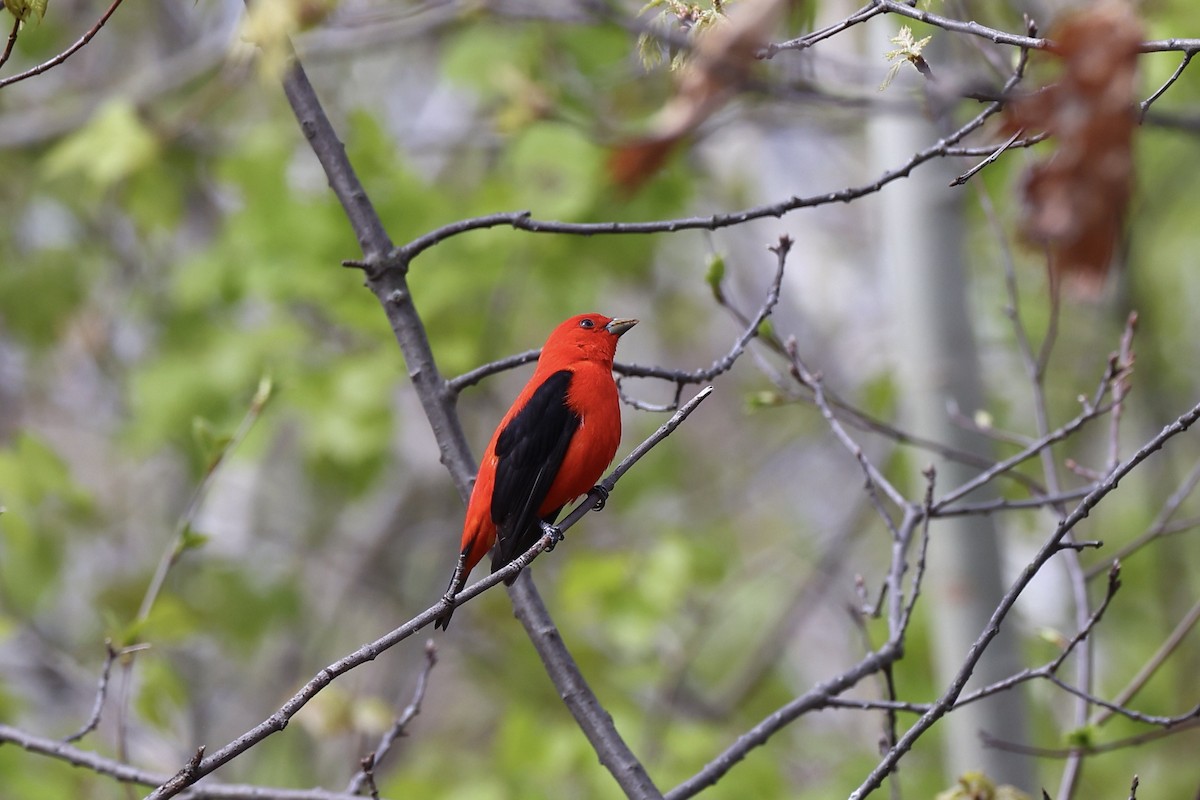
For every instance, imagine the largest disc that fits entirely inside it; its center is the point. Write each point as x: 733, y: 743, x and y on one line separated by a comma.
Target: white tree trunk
x: 921, y: 256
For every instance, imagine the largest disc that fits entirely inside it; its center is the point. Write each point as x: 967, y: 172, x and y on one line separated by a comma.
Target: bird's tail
x: 457, y: 581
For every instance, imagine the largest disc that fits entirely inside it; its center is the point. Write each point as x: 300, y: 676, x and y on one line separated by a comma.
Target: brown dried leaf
x: 1077, y: 198
x: 723, y: 56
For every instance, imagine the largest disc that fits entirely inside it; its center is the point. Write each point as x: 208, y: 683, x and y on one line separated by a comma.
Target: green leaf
x: 483, y: 56
x: 162, y: 692
x: 113, y: 145
x: 191, y: 540
x: 210, y: 443
x: 24, y: 9
x: 40, y: 293
x: 715, y: 275
x: 555, y: 171
x: 170, y: 620
x: 262, y: 394
x: 43, y: 504
x: 1084, y: 736
x: 768, y: 398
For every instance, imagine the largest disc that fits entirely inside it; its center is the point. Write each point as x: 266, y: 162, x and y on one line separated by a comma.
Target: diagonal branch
x: 365, y: 777
x: 62, y: 751
x: 819, y: 696
x: 12, y: 41
x: 1047, y: 551
x: 65, y: 54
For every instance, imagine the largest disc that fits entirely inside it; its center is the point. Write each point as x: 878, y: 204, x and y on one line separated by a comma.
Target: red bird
x: 551, y: 447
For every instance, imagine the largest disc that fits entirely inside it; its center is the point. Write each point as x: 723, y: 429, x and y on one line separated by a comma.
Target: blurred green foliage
x: 161, y: 256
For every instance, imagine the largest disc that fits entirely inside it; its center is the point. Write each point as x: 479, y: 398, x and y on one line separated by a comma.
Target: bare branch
x: 968, y: 27
x: 12, y: 40
x: 1004, y: 504
x: 1090, y: 699
x: 125, y: 773
x: 399, y: 728
x: 1145, y: 104
x: 875, y: 478
x: 111, y: 655
x: 818, y: 697
x: 681, y: 378
x: 456, y: 385
x: 1147, y: 671
x: 398, y: 259
x: 1065, y: 526
x: 991, y: 159
x: 65, y: 54
x: 722, y: 365
x: 901, y: 628
x: 1186, y: 723
x: 1161, y: 524
x: 810, y: 39
x: 593, y: 720
x: 179, y: 538
x: 1012, y: 461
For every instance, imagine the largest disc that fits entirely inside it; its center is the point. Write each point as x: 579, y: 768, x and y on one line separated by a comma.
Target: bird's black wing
x: 529, y: 452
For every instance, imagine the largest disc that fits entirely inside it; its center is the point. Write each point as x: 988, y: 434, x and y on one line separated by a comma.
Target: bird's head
x: 586, y: 337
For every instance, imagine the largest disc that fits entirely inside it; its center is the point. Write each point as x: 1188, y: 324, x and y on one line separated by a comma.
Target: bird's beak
x: 619, y: 326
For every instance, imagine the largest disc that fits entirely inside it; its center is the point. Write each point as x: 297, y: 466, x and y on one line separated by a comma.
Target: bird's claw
x: 555, y: 534
x: 602, y: 499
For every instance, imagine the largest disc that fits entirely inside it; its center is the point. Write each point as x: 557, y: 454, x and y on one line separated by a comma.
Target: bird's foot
x: 554, y: 533
x: 602, y: 499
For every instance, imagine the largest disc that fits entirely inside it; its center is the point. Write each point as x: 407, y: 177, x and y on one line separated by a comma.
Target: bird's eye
x: 586, y: 323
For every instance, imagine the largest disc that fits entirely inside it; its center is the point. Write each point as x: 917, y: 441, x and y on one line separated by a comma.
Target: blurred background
x: 169, y: 241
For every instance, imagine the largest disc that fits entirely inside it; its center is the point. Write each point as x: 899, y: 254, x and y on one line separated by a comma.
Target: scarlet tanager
x: 551, y: 447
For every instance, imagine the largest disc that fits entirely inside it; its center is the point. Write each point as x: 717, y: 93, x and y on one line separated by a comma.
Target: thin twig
x: 1188, y: 55
x: 1048, y: 550
x: 399, y: 727
x: 874, y: 477
x: 991, y: 159
x: 722, y: 365
x: 986, y: 150
x: 111, y: 655
x: 1161, y: 524
x: 399, y: 258
x: 1004, y: 504
x: 65, y: 54
x: 69, y: 754
x: 12, y: 40
x: 1186, y: 723
x: 1150, y: 667
x: 178, y: 543
x: 1000, y: 467
x: 969, y: 27
x: 681, y: 378
x: 1120, y: 388
x: 457, y: 384
x: 919, y: 571
x: 1090, y: 699
x: 809, y: 39
x: 820, y: 696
